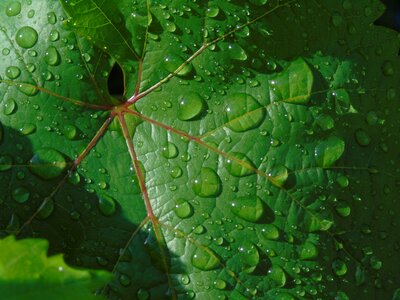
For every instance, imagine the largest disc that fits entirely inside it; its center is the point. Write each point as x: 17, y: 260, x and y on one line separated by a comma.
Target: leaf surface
x: 252, y: 155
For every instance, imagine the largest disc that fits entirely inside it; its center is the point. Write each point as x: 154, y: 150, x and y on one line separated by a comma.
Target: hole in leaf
x: 115, y: 82
x: 391, y: 17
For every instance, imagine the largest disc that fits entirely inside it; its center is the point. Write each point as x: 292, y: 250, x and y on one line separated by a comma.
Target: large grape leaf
x: 253, y: 156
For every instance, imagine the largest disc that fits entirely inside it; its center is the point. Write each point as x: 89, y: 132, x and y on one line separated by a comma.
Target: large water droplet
x: 13, y: 72
x: 27, y: 129
x: 47, y: 163
x: 278, y: 175
x: 10, y: 106
x: 236, y: 52
x: 13, y: 9
x: 329, y: 151
x: 308, y: 251
x: 270, y: 232
x: 28, y: 89
x: 243, y: 112
x: 277, y: 275
x: 172, y: 62
x: 248, y: 208
x: 243, y: 167
x: 212, y: 12
x: 20, y: 194
x: 51, y: 56
x: 362, y: 137
x: 26, y: 37
x: 107, y: 205
x: 51, y: 18
x: 183, y: 209
x: 207, y: 184
x: 249, y: 257
x: 169, y: 151
x: 54, y: 35
x: 205, y: 259
x: 70, y: 132
x: 339, y: 267
x: 191, y: 106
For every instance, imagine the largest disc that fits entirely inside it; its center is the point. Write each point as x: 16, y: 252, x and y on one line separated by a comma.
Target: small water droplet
x: 277, y: 275
x: 243, y: 112
x: 243, y: 167
x: 54, y: 35
x: 183, y: 209
x: 169, y: 151
x: 13, y: 72
x: 26, y: 37
x: 212, y: 12
x: 207, y: 184
x: 51, y: 18
x: 142, y: 294
x: 249, y: 257
x: 362, y: 137
x: 176, y: 172
x: 339, y: 267
x: 125, y: 280
x: 10, y: 106
x: 308, y: 251
x: 70, y: 132
x: 270, y: 232
x: 27, y: 129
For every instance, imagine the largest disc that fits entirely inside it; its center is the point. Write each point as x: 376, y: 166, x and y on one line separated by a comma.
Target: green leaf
x: 252, y: 154
x: 27, y: 272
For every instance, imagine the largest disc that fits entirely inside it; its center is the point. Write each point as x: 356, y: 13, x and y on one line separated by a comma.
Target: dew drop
x: 13, y: 72
x: 70, y: 132
x: 207, y: 184
x: 236, y: 52
x: 278, y: 175
x: 6, y: 162
x: 362, y: 137
x: 20, y: 194
x: 339, y: 267
x: 10, y: 106
x: 13, y: 9
x: 212, y: 12
x: 27, y: 129
x: 183, y: 209
x: 51, y: 56
x: 343, y: 296
x: 47, y: 163
x: 205, y: 259
x: 220, y: 284
x: 343, y: 209
x: 243, y: 167
x: 249, y: 257
x: 191, y: 106
x: 172, y: 62
x: 243, y: 112
x: 329, y: 151
x: 277, y: 275
x: 270, y: 232
x: 337, y: 20
x: 51, y: 18
x: 308, y: 251
x: 185, y: 279
x: 176, y: 172
x: 54, y: 35
x: 106, y: 205
x: 46, y: 209
x: 28, y: 89
x: 169, y: 151
x: 388, y: 69
x: 142, y: 294
x: 26, y: 37
x: 248, y: 208
x: 125, y: 280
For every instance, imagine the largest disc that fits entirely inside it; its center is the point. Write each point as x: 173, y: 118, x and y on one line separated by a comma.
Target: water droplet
x: 243, y: 167
x: 388, y: 69
x: 54, y: 35
x: 205, y: 259
x: 191, y: 106
x: 5, y: 162
x: 248, y: 257
x: 220, y: 284
x: 329, y: 151
x: 337, y: 19
x: 185, y: 279
x: 5, y: 51
x: 278, y: 175
x: 51, y: 56
x: 342, y: 296
x: 362, y: 138
x: 47, y: 163
x: 342, y: 181
x: 70, y: 132
x: 13, y: 9
x: 243, y: 112
x: 27, y: 129
x: 270, y: 232
x: 183, y: 209
x: 51, y: 18
x: 26, y: 37
x: 341, y: 100
x: 20, y: 194
x: 343, y: 209
x: 176, y: 172
x: 10, y: 106
x: 339, y: 267
x: 13, y: 72
x: 207, y: 184
x: 199, y: 229
x: 212, y: 12
x: 325, y: 122
x: 235, y: 51
x: 46, y: 209
x: 125, y: 280
x: 31, y: 14
x: 169, y: 151
x: 277, y: 275
x: 248, y: 208
x: 142, y: 294
x: 28, y: 89
x: 172, y: 62
x: 170, y: 26
x: 106, y: 205
x: 308, y: 251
